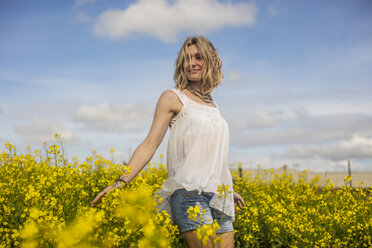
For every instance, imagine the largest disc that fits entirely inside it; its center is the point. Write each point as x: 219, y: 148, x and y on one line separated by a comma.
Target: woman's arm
x: 168, y: 105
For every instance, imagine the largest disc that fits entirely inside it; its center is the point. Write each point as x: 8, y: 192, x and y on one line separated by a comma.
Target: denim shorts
x: 180, y: 202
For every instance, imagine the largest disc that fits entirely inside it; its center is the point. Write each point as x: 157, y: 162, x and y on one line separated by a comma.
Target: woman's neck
x: 196, y: 85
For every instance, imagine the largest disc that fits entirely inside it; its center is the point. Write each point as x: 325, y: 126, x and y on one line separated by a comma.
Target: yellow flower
x: 193, y: 212
x: 51, y: 206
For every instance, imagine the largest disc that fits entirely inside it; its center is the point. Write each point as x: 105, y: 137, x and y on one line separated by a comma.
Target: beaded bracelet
x: 119, y: 182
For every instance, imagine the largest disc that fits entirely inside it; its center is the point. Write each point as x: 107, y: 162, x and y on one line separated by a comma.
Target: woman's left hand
x: 116, y: 185
x: 238, y: 200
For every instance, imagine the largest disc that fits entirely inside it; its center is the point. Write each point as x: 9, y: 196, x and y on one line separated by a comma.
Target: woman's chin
x: 194, y: 79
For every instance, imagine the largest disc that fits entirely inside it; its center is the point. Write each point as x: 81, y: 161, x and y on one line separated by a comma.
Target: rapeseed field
x: 45, y: 202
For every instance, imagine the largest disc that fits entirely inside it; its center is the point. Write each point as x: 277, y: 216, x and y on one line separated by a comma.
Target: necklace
x: 205, y: 97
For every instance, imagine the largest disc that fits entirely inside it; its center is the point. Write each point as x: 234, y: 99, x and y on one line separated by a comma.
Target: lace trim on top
x: 191, y: 107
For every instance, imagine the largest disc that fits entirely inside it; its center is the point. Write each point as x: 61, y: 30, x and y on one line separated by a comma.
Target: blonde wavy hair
x: 211, y: 72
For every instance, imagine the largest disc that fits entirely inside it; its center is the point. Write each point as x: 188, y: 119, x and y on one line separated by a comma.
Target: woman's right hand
x: 167, y: 106
x: 99, y: 197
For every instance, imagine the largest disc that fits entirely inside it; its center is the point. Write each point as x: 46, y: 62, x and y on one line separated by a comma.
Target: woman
x: 197, y: 148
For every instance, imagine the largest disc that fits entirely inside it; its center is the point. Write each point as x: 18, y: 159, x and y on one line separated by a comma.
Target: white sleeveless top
x: 197, y: 154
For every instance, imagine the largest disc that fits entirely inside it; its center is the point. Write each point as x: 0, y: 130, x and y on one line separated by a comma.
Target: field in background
x: 359, y: 179
x: 45, y: 202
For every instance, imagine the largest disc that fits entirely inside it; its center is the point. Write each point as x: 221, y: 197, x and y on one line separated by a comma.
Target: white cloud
x: 116, y: 118
x: 234, y: 77
x: 341, y: 108
x: 357, y: 147
x: 265, y: 117
x: 255, y: 118
x: 43, y: 130
x: 301, y: 112
x: 308, y: 130
x: 165, y: 20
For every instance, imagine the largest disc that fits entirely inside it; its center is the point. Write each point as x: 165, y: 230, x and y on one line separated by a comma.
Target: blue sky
x: 297, y: 80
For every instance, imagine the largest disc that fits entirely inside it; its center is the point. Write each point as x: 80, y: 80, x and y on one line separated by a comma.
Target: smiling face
x: 193, y: 65
x: 198, y: 62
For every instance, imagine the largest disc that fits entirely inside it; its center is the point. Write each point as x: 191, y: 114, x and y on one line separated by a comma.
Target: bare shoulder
x: 169, y: 95
x: 170, y: 99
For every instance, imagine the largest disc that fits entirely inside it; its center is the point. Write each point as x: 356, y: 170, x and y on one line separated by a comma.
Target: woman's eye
x: 196, y: 57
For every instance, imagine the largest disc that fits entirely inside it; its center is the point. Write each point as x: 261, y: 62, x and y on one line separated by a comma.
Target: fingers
x: 238, y: 206
x: 239, y: 203
x: 239, y: 200
x: 100, y: 196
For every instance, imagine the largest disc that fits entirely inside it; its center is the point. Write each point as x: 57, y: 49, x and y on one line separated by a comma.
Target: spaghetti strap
x: 180, y: 95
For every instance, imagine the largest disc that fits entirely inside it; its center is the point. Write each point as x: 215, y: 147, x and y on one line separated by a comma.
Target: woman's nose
x: 193, y: 61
